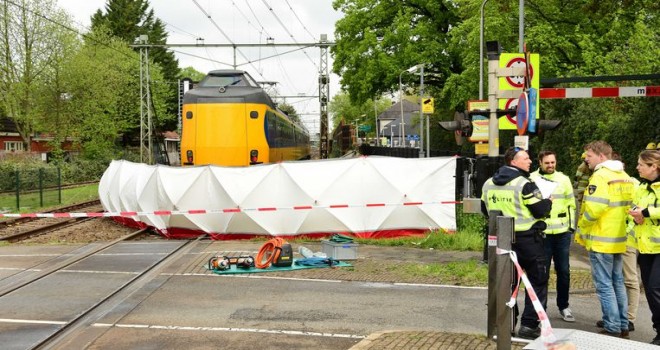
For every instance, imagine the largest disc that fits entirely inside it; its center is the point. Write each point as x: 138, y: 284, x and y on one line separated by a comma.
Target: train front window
x: 228, y: 80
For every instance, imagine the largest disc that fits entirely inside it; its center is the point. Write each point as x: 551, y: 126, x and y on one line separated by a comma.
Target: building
x: 397, y: 131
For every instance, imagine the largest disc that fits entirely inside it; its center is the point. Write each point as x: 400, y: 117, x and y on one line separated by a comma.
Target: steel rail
x: 70, y: 332
x: 19, y: 283
x: 8, y: 222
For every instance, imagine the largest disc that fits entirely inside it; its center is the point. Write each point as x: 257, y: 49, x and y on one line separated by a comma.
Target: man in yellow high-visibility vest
x: 511, y: 191
x: 602, y: 231
x: 561, y: 225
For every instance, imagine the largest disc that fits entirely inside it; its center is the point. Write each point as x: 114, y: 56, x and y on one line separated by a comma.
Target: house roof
x: 7, y: 125
x: 391, y: 118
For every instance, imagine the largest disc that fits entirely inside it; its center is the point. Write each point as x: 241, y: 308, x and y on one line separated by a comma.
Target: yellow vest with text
x: 509, y: 199
x: 562, y: 216
x: 607, y: 198
x: 648, y: 233
x: 630, y: 223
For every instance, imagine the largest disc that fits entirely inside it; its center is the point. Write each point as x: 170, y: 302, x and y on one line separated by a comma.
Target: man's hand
x: 636, y: 213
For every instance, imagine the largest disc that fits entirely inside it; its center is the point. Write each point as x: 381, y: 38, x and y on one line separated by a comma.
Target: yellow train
x: 229, y: 120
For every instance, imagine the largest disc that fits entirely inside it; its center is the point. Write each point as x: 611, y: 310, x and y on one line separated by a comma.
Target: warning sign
x: 427, y: 106
x: 512, y: 60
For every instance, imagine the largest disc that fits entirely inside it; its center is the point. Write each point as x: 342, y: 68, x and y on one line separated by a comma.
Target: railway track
x: 78, y: 309
x: 76, y: 333
x: 17, y: 229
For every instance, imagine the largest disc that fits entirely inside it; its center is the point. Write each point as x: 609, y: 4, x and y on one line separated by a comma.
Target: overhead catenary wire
x: 299, y: 21
x: 287, y: 31
x: 196, y: 37
x: 210, y: 18
x: 201, y: 57
x: 284, y: 72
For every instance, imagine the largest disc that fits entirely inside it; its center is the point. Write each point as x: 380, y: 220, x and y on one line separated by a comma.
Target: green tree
x: 342, y: 108
x: 29, y: 45
x: 290, y: 111
x: 376, y: 41
x: 129, y: 19
x: 52, y: 116
x: 103, y: 86
x: 192, y: 73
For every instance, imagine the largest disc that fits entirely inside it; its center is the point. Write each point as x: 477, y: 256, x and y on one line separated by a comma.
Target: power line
x: 244, y: 16
x: 196, y: 37
x: 201, y: 57
x: 247, y: 2
x: 299, y: 21
x: 287, y: 30
x: 225, y: 35
x: 89, y: 37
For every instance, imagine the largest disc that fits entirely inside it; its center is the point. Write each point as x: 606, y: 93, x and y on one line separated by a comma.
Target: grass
x: 464, y: 273
x: 30, y: 201
x: 469, y: 236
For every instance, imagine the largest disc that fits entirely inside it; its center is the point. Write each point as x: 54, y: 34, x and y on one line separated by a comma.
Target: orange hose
x: 270, y: 251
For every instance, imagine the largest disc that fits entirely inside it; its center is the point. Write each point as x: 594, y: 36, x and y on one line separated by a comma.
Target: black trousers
x: 649, y: 266
x: 530, y: 249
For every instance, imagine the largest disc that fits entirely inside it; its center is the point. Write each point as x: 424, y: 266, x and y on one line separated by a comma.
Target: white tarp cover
x: 363, y: 196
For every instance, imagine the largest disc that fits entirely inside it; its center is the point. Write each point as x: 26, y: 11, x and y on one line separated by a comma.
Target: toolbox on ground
x: 339, y: 250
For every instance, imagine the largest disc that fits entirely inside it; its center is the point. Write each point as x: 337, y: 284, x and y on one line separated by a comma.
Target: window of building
x: 12, y: 146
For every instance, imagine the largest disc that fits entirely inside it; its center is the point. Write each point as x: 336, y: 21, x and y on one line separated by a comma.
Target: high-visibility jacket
x: 562, y: 215
x: 630, y: 222
x: 602, y: 226
x: 511, y: 201
x: 647, y: 196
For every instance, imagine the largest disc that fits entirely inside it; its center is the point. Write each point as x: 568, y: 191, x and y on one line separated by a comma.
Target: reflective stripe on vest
x: 522, y: 221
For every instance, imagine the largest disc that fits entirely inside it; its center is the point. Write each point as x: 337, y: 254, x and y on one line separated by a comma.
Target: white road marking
x: 439, y: 286
x: 10, y: 320
x: 231, y: 329
x: 112, y: 272
x: 27, y: 255
x: 381, y: 284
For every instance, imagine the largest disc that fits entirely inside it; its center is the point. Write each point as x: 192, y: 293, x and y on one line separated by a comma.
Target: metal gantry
x: 145, y: 104
x: 324, y: 93
x: 146, y: 126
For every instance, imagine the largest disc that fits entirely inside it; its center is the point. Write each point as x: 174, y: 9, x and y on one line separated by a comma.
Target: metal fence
x: 30, y: 188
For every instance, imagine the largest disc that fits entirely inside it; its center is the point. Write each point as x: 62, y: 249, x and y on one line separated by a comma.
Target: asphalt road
x: 201, y: 310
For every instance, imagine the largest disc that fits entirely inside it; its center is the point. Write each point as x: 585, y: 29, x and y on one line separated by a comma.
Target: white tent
x: 366, y: 196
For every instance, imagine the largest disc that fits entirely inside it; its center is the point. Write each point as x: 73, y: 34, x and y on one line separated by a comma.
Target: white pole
x: 421, y: 115
x: 481, y: 52
x: 521, y: 25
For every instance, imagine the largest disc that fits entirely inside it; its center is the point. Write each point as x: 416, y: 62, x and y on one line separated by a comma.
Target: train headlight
x: 189, y: 157
x: 254, y: 156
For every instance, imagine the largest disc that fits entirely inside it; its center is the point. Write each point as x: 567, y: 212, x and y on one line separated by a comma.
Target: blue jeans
x: 607, y: 273
x: 556, y: 249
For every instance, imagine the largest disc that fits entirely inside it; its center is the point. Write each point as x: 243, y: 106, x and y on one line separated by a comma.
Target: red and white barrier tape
x: 213, y: 211
x: 547, y: 335
x: 628, y: 91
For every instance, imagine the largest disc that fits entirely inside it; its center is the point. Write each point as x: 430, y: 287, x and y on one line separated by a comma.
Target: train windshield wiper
x: 224, y: 88
x: 234, y: 83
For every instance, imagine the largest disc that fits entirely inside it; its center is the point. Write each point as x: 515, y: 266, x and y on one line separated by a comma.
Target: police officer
x: 602, y: 231
x: 561, y: 224
x: 511, y: 191
x: 646, y: 215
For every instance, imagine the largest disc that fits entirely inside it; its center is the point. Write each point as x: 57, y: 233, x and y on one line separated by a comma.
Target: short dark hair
x: 544, y: 154
x: 511, y: 153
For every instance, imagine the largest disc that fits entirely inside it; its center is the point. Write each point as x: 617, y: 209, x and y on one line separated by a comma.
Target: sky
x: 245, y: 22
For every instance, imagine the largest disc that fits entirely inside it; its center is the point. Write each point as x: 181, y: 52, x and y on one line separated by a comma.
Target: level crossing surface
x: 186, y: 306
